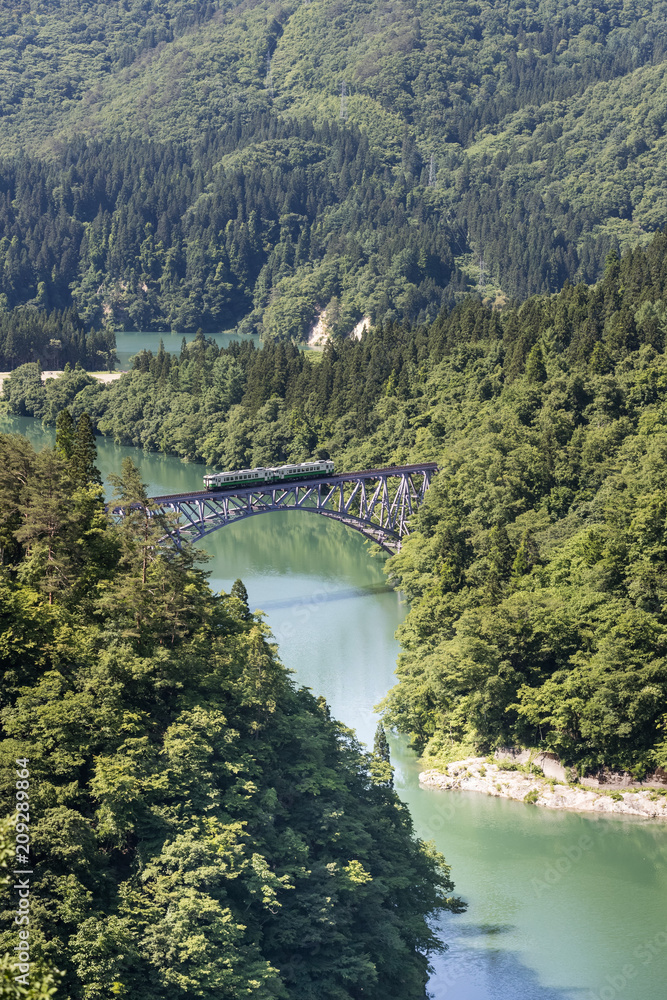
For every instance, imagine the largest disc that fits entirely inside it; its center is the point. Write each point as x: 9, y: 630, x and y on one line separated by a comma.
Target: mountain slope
x: 56, y: 56
x: 530, y: 136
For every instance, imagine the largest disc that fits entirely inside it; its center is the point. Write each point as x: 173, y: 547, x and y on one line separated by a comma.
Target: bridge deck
x: 342, y: 477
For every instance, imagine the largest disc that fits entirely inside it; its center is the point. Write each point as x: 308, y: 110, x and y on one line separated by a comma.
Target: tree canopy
x: 201, y: 826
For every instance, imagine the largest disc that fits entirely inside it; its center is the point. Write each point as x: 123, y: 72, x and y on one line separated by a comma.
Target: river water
x: 562, y: 906
x: 128, y: 342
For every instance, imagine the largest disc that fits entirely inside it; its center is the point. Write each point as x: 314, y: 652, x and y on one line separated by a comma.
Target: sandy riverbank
x: 475, y: 774
x: 100, y: 376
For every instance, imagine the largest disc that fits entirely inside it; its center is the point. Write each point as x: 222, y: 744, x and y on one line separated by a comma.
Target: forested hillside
x: 54, y: 339
x: 200, y: 826
x: 537, y: 570
x: 191, y: 163
x: 262, y: 221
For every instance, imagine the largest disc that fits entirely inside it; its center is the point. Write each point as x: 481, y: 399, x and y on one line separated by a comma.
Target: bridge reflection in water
x: 377, y: 503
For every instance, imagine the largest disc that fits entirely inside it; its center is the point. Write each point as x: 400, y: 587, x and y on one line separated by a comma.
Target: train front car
x: 236, y: 478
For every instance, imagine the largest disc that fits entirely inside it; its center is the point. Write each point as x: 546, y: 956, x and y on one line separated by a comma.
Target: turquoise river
x: 562, y: 906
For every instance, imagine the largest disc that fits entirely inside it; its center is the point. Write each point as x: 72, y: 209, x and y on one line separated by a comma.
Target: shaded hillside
x: 268, y: 220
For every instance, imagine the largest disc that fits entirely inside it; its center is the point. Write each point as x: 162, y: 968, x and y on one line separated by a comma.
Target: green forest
x: 253, y: 224
x: 201, y: 826
x: 191, y: 163
x: 53, y: 339
x: 537, y: 567
x: 482, y: 187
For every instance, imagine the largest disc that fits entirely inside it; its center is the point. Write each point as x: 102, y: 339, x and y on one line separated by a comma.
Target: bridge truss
x: 378, y: 503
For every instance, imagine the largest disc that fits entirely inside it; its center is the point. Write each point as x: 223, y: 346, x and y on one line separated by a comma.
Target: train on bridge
x: 275, y: 474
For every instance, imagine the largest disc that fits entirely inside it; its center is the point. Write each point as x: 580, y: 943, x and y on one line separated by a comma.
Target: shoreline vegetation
x: 100, y: 376
x: 512, y: 781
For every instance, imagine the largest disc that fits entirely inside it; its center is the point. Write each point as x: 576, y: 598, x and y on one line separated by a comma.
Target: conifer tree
x: 48, y: 520
x: 16, y: 471
x: 239, y: 592
x: 161, y: 365
x: 381, y: 769
x: 380, y: 744
x: 129, y: 487
x: 65, y: 435
x: 139, y: 533
x: 84, y: 453
x: 535, y: 368
x: 177, y: 591
x: 159, y: 593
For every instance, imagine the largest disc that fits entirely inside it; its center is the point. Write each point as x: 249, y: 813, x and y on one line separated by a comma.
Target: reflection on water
x: 32, y: 429
x: 319, y: 597
x: 563, y: 906
x: 326, y: 601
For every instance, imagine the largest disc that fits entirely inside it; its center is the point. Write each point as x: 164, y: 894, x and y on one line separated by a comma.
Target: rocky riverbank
x: 476, y: 774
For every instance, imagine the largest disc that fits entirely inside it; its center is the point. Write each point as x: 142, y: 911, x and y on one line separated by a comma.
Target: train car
x: 240, y: 477
x: 304, y: 470
x: 259, y: 476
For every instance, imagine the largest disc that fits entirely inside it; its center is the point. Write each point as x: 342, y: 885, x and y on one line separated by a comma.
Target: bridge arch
x: 377, y: 503
x: 387, y: 540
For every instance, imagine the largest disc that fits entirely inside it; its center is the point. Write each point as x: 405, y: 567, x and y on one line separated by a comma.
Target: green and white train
x: 256, y: 477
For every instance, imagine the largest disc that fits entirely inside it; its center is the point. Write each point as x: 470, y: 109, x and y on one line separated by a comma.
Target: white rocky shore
x: 476, y: 774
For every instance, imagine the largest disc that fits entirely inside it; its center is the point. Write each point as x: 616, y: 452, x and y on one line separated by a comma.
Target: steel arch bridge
x: 376, y: 503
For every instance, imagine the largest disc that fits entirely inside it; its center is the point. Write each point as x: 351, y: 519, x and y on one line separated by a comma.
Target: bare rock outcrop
x: 476, y: 774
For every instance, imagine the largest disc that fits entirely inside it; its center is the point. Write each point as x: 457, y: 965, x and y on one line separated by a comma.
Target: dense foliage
x: 267, y: 218
x: 54, y: 52
x: 201, y: 828
x: 544, y: 123
x: 188, y: 164
x: 538, y: 571
x: 52, y: 339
